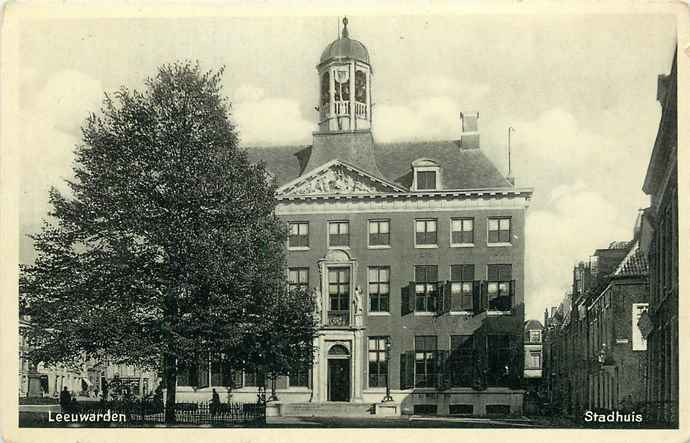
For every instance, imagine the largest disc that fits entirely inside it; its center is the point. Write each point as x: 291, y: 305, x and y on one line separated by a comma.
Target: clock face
x: 342, y: 75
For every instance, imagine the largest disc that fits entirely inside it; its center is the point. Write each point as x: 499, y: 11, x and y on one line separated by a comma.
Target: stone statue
x: 318, y: 307
x: 357, y: 307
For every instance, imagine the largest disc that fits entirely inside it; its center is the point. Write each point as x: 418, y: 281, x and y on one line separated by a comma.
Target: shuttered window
x: 426, y: 284
x: 425, y: 347
x: 378, y: 362
x: 461, y: 361
x: 461, y: 287
x: 500, y: 287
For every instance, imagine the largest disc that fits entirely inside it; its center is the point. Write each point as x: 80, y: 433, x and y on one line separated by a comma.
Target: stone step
x: 326, y: 409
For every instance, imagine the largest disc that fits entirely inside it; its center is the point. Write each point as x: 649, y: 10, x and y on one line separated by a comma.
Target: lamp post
x: 388, y: 358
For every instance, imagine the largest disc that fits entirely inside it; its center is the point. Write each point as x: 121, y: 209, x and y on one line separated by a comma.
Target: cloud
x: 263, y: 120
x: 49, y: 121
x: 429, y: 110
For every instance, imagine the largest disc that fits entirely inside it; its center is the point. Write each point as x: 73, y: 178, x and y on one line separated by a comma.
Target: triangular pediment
x: 338, y: 178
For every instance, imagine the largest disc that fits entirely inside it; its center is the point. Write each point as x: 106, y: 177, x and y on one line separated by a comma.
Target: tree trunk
x: 170, y: 365
x: 169, y: 358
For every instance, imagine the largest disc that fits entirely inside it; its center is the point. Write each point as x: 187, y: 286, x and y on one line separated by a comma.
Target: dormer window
x: 426, y: 175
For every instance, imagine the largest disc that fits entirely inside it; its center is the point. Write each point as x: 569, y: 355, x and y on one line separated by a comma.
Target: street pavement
x: 413, y: 421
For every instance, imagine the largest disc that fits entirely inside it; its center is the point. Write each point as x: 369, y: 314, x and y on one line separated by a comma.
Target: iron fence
x: 147, y: 412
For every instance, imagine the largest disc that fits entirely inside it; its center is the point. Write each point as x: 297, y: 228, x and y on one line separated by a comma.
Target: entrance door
x: 338, y: 379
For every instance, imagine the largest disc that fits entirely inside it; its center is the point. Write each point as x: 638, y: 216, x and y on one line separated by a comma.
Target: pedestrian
x: 65, y: 399
x: 215, y: 402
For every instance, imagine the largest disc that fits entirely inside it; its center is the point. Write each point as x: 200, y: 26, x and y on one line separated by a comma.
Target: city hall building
x: 414, y: 252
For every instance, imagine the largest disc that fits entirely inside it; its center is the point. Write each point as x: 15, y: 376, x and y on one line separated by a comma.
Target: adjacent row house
x: 660, y: 246
x: 595, y: 355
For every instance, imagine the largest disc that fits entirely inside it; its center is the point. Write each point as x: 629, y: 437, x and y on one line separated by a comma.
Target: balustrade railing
x: 341, y: 108
x: 338, y: 318
x: 360, y: 109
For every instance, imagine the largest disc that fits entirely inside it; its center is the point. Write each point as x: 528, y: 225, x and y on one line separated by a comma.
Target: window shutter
x: 442, y: 369
x: 406, y: 370
x: 512, y: 294
x: 446, y: 298
x: 477, y: 296
x: 483, y: 297
x: 407, y: 299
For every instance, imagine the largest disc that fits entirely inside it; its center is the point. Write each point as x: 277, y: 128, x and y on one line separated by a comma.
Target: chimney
x: 469, y: 138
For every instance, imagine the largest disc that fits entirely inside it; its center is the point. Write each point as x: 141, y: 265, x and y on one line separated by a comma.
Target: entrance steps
x: 327, y: 409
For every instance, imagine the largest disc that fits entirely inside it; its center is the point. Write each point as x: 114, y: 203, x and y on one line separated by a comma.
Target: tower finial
x: 346, y: 34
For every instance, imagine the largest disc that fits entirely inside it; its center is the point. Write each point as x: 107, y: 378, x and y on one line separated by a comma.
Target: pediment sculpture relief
x: 336, y: 181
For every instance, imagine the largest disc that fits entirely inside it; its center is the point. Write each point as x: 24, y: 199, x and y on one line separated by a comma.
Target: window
x: 426, y: 180
x: 379, y: 233
x: 342, y: 85
x: 379, y: 289
x: 361, y: 86
x: 461, y: 287
x: 462, y: 360
x: 425, y: 351
x: 378, y: 362
x: 499, y: 230
x: 426, y: 281
x: 325, y: 90
x: 500, y: 370
x: 298, y: 236
x: 424, y: 409
x: 338, y: 234
x: 339, y: 288
x: 461, y: 409
x: 425, y: 232
x: 462, y: 231
x: 255, y: 378
x: 298, y: 279
x: 534, y: 360
x: 299, y: 378
x: 535, y: 336
x: 497, y: 409
x: 222, y: 373
x: 500, y: 287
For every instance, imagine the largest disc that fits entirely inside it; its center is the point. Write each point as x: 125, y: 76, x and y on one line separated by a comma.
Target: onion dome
x: 345, y: 48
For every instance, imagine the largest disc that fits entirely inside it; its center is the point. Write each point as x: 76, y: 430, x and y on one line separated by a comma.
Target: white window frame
x: 538, y: 335
x: 328, y: 235
x: 450, y: 235
x: 414, y: 234
x: 369, y: 221
x: 298, y: 248
x: 368, y: 301
x: 435, y: 169
x: 499, y: 244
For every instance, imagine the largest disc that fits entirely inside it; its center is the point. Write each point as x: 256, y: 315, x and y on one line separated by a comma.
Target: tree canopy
x: 168, y: 246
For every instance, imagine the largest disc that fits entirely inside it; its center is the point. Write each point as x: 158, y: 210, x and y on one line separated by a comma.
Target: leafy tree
x: 284, y: 344
x: 168, y: 247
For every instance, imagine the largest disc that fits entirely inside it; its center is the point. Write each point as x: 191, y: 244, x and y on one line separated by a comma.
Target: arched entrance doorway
x: 338, y: 373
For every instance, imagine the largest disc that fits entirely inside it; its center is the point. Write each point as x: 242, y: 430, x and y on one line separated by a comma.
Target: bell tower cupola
x: 344, y: 85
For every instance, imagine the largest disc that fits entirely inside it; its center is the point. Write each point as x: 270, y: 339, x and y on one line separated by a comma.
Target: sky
x: 580, y: 92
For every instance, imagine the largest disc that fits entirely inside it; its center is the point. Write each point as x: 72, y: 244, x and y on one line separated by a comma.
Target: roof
x: 461, y: 168
x: 633, y: 265
x: 531, y: 325
x: 345, y: 48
